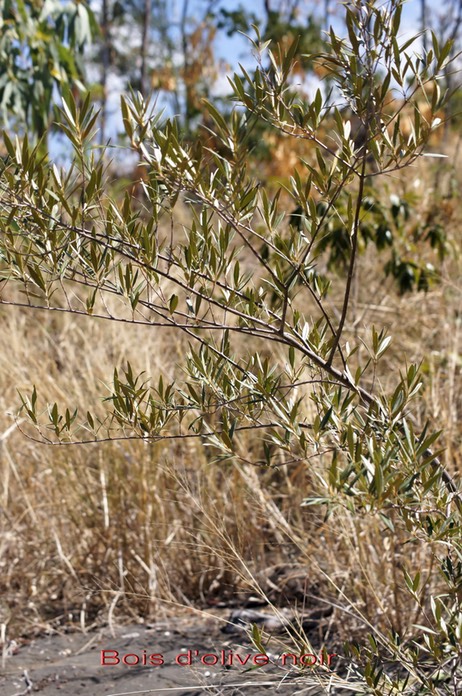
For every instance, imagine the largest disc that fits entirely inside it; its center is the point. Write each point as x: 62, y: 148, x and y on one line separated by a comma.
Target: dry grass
x: 128, y: 529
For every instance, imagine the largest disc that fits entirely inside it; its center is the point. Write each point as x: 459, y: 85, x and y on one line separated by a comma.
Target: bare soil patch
x: 71, y: 663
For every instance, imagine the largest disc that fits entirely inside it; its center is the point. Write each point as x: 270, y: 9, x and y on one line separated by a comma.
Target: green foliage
x: 41, y: 47
x: 234, y: 21
x: 242, y: 268
x: 391, y: 227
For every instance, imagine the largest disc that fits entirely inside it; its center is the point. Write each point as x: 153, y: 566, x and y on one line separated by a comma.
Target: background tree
x: 41, y: 49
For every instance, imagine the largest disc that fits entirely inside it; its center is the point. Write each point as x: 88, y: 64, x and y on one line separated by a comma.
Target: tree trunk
x: 144, y: 84
x: 105, y: 63
x: 423, y: 22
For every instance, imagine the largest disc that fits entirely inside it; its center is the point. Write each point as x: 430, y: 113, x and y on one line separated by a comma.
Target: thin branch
x: 351, y: 268
x: 143, y: 437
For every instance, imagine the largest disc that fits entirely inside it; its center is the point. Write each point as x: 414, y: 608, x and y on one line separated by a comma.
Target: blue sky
x: 236, y: 48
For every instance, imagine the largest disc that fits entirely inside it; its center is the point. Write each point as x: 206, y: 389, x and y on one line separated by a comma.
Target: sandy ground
x: 71, y: 664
